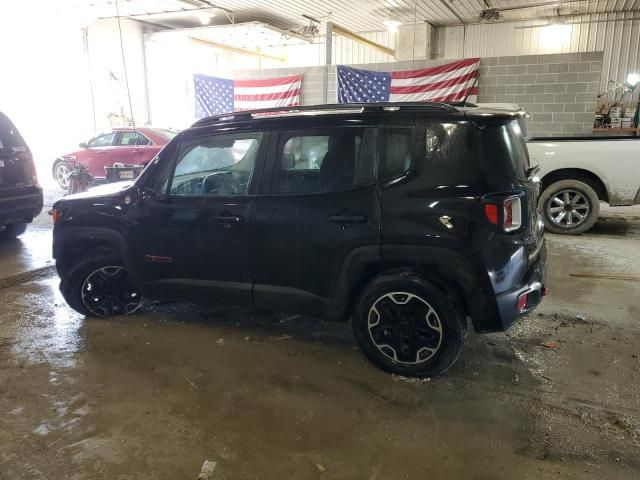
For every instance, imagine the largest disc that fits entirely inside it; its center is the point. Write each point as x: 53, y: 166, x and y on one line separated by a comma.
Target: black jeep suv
x: 20, y: 194
x: 406, y: 218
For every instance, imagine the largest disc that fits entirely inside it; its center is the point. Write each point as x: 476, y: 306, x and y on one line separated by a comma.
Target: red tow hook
x: 544, y: 292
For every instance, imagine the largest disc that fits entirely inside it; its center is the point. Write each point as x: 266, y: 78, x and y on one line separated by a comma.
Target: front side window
x: 216, y: 165
x: 103, y: 140
x: 325, y: 161
x: 132, y: 139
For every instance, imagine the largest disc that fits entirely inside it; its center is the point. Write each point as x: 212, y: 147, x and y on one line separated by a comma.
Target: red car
x: 121, y: 145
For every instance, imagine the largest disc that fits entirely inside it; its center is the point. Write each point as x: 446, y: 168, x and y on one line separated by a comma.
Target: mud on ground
x: 271, y: 396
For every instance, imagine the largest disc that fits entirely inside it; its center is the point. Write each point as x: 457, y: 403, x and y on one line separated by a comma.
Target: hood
x: 101, y: 190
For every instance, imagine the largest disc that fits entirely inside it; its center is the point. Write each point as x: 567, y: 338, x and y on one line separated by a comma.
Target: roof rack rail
x: 324, y: 108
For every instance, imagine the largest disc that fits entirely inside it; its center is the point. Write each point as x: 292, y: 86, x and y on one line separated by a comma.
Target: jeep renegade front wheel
x: 100, y: 286
x: 406, y: 325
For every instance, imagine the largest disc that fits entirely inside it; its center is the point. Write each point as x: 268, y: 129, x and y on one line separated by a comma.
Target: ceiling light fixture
x: 205, y: 18
x: 392, y: 25
x: 633, y: 79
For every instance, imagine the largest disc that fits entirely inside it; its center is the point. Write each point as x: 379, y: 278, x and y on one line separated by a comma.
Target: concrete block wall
x: 559, y: 91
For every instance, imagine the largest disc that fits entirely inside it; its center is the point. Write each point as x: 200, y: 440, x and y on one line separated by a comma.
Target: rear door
x: 130, y: 146
x: 317, y: 208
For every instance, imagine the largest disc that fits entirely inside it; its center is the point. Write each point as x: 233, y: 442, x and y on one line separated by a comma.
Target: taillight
x: 491, y: 211
x: 512, y: 214
x: 34, y: 174
x: 55, y: 215
x: 506, y: 215
x: 521, y: 303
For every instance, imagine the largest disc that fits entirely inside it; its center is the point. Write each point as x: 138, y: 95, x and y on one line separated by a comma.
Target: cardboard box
x: 615, y: 112
x: 616, y: 123
x: 625, y: 122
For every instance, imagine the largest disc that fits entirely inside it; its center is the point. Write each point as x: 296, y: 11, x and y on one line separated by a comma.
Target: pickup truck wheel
x: 569, y: 207
x: 99, y: 286
x: 407, y: 326
x: 9, y: 232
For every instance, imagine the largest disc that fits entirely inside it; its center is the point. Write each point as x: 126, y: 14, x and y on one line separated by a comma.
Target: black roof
x: 474, y: 112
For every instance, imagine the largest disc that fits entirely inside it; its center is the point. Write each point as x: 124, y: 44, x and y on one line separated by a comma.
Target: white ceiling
x: 357, y: 15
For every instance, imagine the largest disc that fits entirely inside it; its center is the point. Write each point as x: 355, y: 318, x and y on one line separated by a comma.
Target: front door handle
x: 228, y: 219
x: 344, y: 219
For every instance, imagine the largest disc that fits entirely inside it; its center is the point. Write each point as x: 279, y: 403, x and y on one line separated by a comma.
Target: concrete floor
x: 272, y: 396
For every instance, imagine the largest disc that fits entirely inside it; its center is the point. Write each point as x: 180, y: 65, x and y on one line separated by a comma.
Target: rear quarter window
x: 450, y: 154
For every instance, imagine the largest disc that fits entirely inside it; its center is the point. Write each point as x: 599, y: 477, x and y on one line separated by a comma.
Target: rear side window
x: 327, y: 160
x: 10, y: 139
x: 396, y: 151
x: 132, y: 139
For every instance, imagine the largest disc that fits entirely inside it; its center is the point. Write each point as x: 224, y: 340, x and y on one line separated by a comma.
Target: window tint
x: 216, y: 165
x: 331, y: 160
x: 132, y: 138
x: 101, y: 140
x: 397, y: 149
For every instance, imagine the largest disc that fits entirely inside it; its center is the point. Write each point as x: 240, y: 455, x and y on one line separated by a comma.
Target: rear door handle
x: 228, y: 219
x: 347, y: 219
x: 102, y: 152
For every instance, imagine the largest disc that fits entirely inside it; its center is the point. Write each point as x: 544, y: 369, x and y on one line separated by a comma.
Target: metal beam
x: 240, y: 51
x: 338, y: 30
x: 453, y: 12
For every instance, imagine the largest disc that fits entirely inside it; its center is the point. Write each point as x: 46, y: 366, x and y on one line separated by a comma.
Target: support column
x: 328, y: 60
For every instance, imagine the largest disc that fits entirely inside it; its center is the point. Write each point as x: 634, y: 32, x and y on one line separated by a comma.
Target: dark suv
x: 408, y: 219
x: 20, y: 194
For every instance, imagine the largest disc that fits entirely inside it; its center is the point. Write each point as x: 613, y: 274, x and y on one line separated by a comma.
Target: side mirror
x: 83, y: 145
x: 150, y: 194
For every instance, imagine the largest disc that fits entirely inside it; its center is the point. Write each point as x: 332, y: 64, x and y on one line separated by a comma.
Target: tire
x: 98, y: 286
x: 584, y: 203
x: 10, y: 232
x: 390, y: 340
x: 61, y: 171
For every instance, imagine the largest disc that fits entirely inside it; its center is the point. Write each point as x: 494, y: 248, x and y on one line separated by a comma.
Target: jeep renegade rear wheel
x: 406, y: 325
x: 100, y: 286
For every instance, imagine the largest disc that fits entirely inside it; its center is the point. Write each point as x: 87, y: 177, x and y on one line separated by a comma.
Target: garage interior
x: 198, y: 390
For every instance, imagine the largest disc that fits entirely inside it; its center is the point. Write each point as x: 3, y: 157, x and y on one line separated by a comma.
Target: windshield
x: 164, y: 133
x: 10, y: 139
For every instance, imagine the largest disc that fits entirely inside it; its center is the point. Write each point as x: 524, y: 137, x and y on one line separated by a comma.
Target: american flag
x: 215, y: 96
x: 450, y: 82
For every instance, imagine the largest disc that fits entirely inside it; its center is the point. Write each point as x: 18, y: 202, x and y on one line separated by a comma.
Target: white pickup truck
x: 579, y: 172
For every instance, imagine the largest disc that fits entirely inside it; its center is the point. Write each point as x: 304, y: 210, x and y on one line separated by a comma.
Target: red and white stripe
x: 267, y: 92
x: 450, y: 82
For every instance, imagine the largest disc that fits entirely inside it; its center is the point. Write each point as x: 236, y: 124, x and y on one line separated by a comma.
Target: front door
x: 192, y: 227
x: 319, y: 207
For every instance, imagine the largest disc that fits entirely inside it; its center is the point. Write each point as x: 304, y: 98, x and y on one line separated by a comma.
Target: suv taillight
x: 507, y: 215
x: 34, y: 174
x: 512, y: 214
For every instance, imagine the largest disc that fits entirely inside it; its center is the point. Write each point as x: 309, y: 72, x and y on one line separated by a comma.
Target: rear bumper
x: 533, y: 284
x: 21, y: 208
